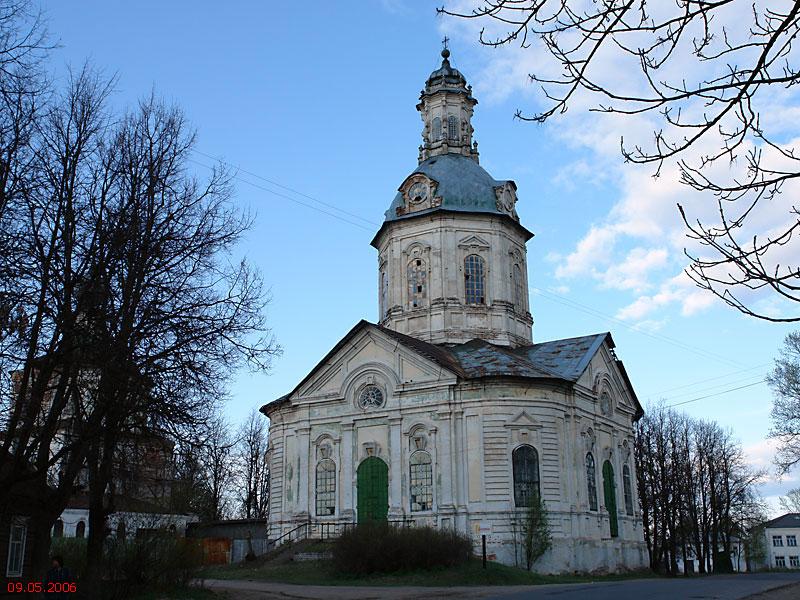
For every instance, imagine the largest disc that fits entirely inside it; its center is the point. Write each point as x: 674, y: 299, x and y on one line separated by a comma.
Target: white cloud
x: 677, y: 290
x: 596, y: 246
x: 638, y: 246
x: 632, y: 273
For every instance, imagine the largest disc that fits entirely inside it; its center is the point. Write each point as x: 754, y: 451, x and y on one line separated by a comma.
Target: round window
x: 370, y: 397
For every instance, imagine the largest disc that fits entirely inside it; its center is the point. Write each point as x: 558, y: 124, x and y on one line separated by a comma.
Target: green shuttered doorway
x: 373, y: 490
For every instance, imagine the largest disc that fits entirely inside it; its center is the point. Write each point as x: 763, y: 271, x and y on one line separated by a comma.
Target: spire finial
x: 445, y: 50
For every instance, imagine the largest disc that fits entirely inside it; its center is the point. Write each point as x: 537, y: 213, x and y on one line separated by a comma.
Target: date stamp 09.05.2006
x: 37, y: 587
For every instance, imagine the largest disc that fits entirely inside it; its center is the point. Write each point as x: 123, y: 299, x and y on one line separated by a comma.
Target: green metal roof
x: 463, y: 186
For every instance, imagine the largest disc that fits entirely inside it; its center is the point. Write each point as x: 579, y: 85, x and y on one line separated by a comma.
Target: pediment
x: 368, y: 348
x: 605, y: 376
x: 523, y: 420
x: 474, y: 241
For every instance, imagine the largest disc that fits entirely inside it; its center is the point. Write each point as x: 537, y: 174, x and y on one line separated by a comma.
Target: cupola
x: 446, y: 106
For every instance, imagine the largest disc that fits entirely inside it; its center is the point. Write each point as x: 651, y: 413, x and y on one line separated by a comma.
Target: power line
x: 693, y: 383
x: 544, y: 293
x: 300, y: 202
x: 741, y: 387
x: 287, y: 188
x: 589, y: 310
x: 712, y: 388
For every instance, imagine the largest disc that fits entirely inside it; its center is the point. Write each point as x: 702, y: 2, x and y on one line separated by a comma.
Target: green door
x: 610, y: 494
x: 373, y: 490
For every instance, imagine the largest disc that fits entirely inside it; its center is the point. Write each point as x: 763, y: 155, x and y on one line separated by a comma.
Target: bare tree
x: 785, y: 383
x: 121, y: 311
x: 698, y: 494
x: 218, y: 450
x: 791, y: 501
x: 172, y: 317
x: 251, y: 453
x: 56, y: 245
x: 706, y: 71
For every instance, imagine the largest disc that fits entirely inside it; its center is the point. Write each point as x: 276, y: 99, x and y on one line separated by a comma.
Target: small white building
x: 446, y: 413
x: 133, y: 519
x: 782, y: 535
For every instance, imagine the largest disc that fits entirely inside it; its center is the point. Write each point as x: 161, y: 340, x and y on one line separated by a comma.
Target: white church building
x: 445, y: 413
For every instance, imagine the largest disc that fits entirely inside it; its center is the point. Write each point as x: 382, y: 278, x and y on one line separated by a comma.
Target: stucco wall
x: 470, y: 430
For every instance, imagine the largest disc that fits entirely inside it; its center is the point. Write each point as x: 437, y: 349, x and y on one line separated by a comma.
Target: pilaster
x: 347, y: 485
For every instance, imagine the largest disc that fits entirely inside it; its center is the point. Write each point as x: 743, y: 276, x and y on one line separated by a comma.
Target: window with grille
x: 452, y: 128
x: 436, y: 134
x: 591, y: 481
x: 474, y: 283
x: 525, y: 464
x: 791, y: 540
x: 421, y: 481
x: 16, y: 549
x: 780, y: 561
x: 627, y: 490
x: 371, y: 396
x: 519, y: 293
x: 417, y: 277
x: 326, y: 488
x: 794, y: 561
x: 777, y: 540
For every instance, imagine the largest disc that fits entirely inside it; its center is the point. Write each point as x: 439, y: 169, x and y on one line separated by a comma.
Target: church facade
x: 445, y: 413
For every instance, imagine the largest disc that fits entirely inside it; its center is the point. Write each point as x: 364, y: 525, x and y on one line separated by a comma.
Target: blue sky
x: 314, y: 102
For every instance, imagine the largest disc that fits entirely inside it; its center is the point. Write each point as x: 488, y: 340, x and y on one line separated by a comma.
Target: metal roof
x: 558, y: 360
x: 789, y: 520
x: 463, y: 185
x: 568, y: 357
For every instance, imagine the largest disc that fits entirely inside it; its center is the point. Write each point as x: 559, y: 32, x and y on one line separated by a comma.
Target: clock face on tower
x: 418, y: 193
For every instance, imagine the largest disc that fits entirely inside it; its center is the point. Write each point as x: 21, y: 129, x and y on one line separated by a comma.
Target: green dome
x: 462, y: 184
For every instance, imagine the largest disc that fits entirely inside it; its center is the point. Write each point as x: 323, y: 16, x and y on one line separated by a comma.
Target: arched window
x: 326, y: 488
x: 417, y: 278
x: 626, y: 489
x: 58, y: 529
x: 436, y: 133
x: 525, y: 463
x: 519, y: 292
x: 474, y: 291
x: 421, y: 481
x: 452, y: 128
x: 121, y: 531
x: 591, y: 481
x: 80, y: 529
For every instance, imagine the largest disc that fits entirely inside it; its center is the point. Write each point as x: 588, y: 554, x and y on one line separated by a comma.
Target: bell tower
x: 452, y: 262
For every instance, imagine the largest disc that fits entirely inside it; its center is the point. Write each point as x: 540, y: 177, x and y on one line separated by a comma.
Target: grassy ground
x: 471, y: 573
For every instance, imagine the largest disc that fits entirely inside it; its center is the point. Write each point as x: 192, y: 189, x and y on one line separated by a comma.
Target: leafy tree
x: 755, y: 547
x: 785, y: 383
x: 535, y: 529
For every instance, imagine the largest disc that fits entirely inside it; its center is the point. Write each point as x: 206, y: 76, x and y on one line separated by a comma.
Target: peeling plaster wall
x: 443, y: 241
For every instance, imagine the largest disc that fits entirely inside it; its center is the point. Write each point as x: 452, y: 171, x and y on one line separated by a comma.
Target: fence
x: 321, y: 530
